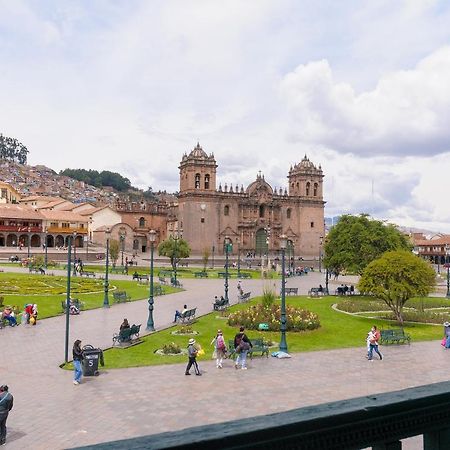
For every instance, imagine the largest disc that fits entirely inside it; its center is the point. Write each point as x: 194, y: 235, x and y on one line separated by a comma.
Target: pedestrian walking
x: 192, y: 354
x: 374, y: 337
x: 219, y: 348
x: 6, y: 404
x: 242, y: 345
x: 77, y: 354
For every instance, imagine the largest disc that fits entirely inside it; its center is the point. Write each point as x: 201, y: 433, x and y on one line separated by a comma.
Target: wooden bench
x: 121, y: 297
x: 188, y: 316
x: 221, y: 304
x: 223, y: 274
x: 244, y: 275
x: 117, y: 270
x: 201, y: 274
x: 74, y: 301
x: 165, y: 273
x: 291, y: 291
x: 394, y: 336
x: 162, y: 280
x: 183, y: 264
x: 158, y: 290
x: 140, y: 277
x: 127, y: 335
x: 87, y: 273
x: 315, y: 292
x: 176, y: 283
x: 244, y: 297
x: 257, y: 346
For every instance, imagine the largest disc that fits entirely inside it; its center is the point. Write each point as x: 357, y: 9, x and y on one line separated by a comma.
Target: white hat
x: 191, y: 341
x: 446, y: 324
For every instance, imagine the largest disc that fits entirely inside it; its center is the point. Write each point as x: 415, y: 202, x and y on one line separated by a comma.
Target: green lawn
x: 48, y: 291
x: 337, y: 330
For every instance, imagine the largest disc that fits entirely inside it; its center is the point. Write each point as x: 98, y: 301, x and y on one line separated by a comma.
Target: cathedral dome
x: 259, y: 185
x: 198, y: 152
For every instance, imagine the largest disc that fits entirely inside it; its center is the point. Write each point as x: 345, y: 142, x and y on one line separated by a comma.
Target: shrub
x: 171, y: 349
x: 268, y: 298
x: 297, y: 319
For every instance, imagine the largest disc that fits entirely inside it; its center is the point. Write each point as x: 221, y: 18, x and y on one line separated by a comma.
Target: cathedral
x: 253, y: 218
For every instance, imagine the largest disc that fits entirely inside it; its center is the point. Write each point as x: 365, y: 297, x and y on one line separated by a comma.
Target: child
x: 192, y: 354
x: 219, y: 348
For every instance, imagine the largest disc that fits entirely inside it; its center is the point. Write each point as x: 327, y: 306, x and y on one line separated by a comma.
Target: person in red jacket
x: 374, y: 337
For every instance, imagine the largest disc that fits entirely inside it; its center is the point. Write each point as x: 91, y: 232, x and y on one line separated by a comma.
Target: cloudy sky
x: 361, y: 87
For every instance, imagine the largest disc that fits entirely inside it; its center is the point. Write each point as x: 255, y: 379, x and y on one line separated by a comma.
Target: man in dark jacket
x: 6, y: 404
x: 242, y: 345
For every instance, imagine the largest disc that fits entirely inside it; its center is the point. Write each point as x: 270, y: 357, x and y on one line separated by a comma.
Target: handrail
x: 377, y: 420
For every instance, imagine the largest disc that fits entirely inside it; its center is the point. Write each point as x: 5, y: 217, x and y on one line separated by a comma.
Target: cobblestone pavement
x: 51, y: 413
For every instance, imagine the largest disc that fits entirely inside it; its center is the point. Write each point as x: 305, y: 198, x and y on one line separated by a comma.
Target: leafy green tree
x: 357, y: 240
x: 205, y: 258
x: 99, y: 179
x: 13, y: 150
x: 114, y: 250
x: 174, y: 249
x: 396, y: 277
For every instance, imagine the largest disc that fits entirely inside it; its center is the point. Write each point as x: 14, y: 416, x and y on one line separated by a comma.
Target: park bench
x: 39, y: 270
x: 121, y: 297
x: 244, y: 297
x: 140, y: 277
x: 315, y: 292
x: 394, y: 336
x: 75, y: 301
x: 183, y: 264
x: 127, y: 335
x: 165, y: 273
x: 87, y: 273
x: 223, y: 274
x: 291, y: 291
x: 162, y: 280
x: 201, y: 274
x: 221, y: 304
x: 244, y: 275
x: 257, y: 346
x: 187, y: 316
x: 117, y: 270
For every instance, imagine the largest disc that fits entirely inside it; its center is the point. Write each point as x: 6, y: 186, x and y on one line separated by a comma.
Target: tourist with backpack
x: 242, y: 345
x: 192, y: 355
x: 220, y: 348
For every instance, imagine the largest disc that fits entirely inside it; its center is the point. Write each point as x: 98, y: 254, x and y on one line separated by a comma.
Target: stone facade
x: 253, y: 218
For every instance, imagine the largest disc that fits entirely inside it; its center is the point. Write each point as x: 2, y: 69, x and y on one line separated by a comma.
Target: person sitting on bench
x: 124, y: 325
x: 73, y: 308
x: 179, y: 314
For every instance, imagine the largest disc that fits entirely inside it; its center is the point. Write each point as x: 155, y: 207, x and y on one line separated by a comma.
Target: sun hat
x: 219, y: 331
x: 446, y: 324
x: 191, y: 341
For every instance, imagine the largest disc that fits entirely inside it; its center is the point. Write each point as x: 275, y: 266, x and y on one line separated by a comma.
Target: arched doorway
x: 35, y: 240
x: 78, y: 241
x: 23, y: 240
x: 59, y: 241
x: 261, y: 246
x: 135, y: 244
x: 50, y: 241
x: 2, y: 240
x: 11, y: 240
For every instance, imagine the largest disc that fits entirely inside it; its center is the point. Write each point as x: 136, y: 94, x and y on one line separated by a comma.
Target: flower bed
x: 297, y: 319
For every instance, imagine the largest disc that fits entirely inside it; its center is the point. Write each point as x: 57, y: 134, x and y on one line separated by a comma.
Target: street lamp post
x: 213, y: 248
x: 29, y: 239
x: 283, y: 344
x: 106, y: 285
x: 46, y: 242
x: 239, y: 258
x: 327, y: 275
x: 150, y: 323
x: 122, y: 244
x: 320, y: 253
x: 447, y: 262
x: 74, y: 253
x: 175, y: 254
x: 69, y: 261
x: 227, y: 249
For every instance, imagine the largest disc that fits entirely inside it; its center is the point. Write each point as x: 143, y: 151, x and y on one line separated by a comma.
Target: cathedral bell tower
x: 197, y: 172
x: 306, y: 180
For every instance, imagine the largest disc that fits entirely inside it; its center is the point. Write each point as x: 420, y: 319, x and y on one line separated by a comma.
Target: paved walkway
x: 51, y: 413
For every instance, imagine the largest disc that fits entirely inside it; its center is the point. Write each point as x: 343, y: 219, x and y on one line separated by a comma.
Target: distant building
x: 8, y: 194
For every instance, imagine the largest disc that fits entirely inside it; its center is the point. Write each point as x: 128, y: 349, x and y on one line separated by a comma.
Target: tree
x: 205, y: 258
x: 357, y: 240
x: 114, y: 250
x: 175, y: 249
x: 13, y: 150
x: 396, y: 277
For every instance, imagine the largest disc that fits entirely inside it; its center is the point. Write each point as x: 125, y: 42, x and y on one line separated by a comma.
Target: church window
x: 292, y: 185
x: 226, y: 210
x: 142, y: 222
x: 298, y: 185
x: 261, y: 210
x: 202, y: 220
x: 312, y: 224
x: 207, y: 181
x: 308, y: 186
x: 288, y: 213
x: 197, y: 181
x: 316, y: 186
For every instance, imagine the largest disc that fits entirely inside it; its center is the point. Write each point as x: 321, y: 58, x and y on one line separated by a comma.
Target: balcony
x: 70, y: 230
x: 19, y: 229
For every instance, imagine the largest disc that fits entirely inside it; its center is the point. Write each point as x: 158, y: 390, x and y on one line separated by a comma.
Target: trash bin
x: 91, y: 358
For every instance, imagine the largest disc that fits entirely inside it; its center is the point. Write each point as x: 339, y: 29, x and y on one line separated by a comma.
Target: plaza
x: 50, y: 412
